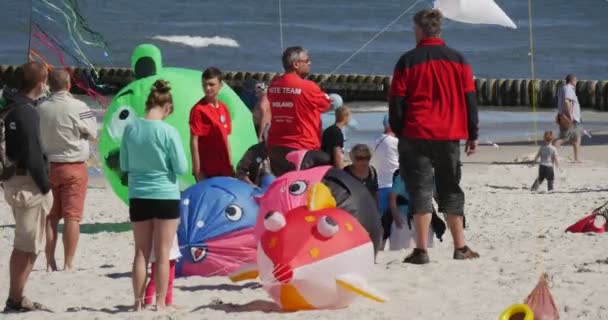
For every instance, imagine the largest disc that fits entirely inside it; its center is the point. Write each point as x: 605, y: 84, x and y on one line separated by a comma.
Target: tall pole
x: 532, y: 71
x: 29, y: 34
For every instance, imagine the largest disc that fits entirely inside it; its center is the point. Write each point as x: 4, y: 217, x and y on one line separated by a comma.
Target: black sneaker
x: 418, y: 256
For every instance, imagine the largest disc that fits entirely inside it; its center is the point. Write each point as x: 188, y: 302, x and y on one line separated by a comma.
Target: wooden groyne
x: 490, y: 92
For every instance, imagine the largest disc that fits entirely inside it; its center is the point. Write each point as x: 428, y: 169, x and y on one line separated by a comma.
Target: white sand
x: 519, y: 235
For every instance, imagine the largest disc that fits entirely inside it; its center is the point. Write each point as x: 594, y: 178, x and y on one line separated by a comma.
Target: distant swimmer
x: 296, y: 105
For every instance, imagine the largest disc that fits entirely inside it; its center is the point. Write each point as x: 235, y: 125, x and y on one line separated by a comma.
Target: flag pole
x: 532, y: 71
x: 29, y: 34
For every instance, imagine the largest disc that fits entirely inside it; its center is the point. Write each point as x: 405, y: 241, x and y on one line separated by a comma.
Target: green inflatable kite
x: 186, y: 88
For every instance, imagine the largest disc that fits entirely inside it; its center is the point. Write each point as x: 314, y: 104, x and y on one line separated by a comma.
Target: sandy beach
x: 519, y: 235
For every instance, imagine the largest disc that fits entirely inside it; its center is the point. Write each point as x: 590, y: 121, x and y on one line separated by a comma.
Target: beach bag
x: 7, y: 166
x: 563, y: 121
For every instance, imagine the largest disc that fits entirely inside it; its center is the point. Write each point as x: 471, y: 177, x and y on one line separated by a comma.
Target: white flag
x: 475, y: 12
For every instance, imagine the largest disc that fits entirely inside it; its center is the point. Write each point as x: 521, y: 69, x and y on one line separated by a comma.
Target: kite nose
x: 282, y: 273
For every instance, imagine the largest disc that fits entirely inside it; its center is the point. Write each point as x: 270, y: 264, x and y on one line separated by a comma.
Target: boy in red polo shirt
x: 210, y: 126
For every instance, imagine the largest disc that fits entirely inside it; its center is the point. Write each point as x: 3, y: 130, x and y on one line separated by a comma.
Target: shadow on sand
x: 253, y: 306
x: 91, y: 228
x: 221, y: 287
x: 114, y: 310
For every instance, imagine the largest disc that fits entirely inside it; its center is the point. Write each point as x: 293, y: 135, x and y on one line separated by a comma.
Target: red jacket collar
x: 430, y: 41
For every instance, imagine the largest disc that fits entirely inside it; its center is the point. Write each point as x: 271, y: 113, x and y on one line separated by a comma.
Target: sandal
x: 465, y: 253
x: 25, y: 305
x: 418, y: 256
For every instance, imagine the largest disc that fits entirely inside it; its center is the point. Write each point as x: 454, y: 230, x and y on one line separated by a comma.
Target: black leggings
x: 544, y: 172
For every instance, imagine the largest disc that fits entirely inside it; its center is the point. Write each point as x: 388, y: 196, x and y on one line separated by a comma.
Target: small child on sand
x: 151, y: 289
x: 548, y: 158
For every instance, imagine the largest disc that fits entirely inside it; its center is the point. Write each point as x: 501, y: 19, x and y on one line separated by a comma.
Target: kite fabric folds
x: 474, y: 12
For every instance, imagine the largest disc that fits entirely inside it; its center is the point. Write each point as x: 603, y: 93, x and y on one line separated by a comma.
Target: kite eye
x: 274, y: 221
x: 297, y: 188
x: 234, y: 213
x: 327, y: 227
x: 120, y: 119
x: 124, y: 114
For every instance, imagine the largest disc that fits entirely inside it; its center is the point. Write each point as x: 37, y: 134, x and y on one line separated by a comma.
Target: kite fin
x: 356, y: 284
x: 246, y: 272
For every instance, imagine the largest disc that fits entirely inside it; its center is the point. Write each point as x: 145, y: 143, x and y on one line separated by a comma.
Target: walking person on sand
x: 569, y: 117
x: 431, y: 108
x: 151, y: 153
x: 548, y: 159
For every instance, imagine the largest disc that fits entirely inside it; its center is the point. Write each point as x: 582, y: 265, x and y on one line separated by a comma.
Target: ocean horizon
x: 246, y: 35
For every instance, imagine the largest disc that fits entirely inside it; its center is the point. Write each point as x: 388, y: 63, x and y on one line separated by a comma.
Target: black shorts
x: 278, y: 164
x: 422, y: 160
x: 148, y: 209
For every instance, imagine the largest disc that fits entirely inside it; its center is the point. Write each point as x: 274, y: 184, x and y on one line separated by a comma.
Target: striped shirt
x: 66, y: 124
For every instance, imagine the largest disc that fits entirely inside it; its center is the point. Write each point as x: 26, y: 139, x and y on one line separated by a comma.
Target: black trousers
x: 544, y: 172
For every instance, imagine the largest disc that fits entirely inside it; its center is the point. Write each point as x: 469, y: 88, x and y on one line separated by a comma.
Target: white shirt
x: 568, y: 92
x: 65, y: 125
x: 174, y: 254
x: 546, y: 154
x: 386, y: 159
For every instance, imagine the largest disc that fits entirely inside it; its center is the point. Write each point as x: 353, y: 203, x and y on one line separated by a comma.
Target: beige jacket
x: 66, y: 124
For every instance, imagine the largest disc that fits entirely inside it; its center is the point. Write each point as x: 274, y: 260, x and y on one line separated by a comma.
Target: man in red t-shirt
x: 210, y: 126
x: 296, y: 105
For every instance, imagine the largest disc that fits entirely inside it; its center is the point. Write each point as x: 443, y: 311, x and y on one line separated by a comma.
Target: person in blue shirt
x: 152, y: 155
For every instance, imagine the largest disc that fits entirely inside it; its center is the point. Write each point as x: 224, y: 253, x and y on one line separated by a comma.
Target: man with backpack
x: 24, y: 176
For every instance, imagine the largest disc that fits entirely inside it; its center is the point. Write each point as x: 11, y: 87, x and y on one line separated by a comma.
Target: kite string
x: 541, y: 255
x: 50, y: 43
x: 376, y: 35
x: 71, y: 26
x: 532, y: 71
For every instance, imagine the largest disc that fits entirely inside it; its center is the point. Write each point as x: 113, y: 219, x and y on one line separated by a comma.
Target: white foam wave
x: 199, y: 42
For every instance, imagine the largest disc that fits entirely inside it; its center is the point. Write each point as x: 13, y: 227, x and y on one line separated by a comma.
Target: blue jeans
x: 383, y: 195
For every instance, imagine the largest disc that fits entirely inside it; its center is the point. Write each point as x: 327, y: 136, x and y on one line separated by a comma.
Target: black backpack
x: 7, y: 166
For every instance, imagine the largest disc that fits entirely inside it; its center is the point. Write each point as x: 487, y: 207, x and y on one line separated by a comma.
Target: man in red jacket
x: 296, y: 105
x: 431, y: 108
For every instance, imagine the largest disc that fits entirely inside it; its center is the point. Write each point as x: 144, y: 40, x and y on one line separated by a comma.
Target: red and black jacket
x: 432, y: 95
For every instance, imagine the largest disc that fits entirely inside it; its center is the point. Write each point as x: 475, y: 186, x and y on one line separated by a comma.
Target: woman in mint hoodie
x: 151, y: 153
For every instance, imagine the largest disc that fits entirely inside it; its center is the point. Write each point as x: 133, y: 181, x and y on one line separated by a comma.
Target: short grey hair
x: 429, y: 21
x: 292, y: 55
x: 59, y: 79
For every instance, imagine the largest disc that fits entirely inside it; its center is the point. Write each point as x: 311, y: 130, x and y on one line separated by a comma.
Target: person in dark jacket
x: 26, y: 188
x: 431, y: 108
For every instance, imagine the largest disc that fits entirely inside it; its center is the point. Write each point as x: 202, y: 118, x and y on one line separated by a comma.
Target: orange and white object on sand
x: 314, y: 257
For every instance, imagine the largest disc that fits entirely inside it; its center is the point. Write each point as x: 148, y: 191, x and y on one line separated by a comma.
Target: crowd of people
x: 415, y: 162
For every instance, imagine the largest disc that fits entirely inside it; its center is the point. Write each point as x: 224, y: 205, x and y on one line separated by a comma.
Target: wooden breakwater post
x: 490, y: 92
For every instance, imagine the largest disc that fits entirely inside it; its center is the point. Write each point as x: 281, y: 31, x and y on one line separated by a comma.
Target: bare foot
x: 175, y: 307
x: 51, y: 266
x: 67, y: 268
x: 161, y: 308
x: 137, y: 306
